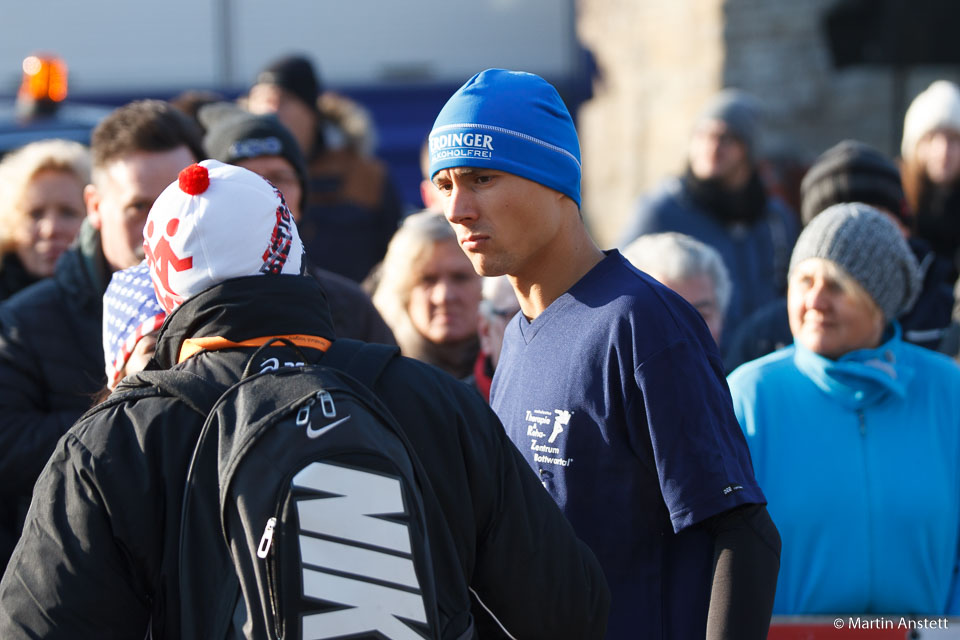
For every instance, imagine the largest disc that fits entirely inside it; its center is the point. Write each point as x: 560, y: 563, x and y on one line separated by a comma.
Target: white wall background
x: 131, y: 45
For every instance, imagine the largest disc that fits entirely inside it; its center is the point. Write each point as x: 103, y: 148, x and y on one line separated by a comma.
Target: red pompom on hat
x: 194, y: 180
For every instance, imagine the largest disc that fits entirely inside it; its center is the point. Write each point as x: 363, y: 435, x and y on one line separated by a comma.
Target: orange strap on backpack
x: 193, y: 346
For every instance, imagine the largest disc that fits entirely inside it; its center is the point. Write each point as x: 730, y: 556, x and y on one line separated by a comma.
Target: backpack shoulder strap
x: 361, y: 360
x: 196, y: 392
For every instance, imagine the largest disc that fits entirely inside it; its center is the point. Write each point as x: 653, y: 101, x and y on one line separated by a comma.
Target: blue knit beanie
x: 510, y: 121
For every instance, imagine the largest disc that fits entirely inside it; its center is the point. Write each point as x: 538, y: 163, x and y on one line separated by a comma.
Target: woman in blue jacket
x: 855, y: 434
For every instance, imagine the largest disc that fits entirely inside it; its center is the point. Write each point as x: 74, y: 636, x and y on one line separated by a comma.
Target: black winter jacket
x: 14, y: 276
x: 351, y: 309
x: 98, y: 558
x: 51, y: 366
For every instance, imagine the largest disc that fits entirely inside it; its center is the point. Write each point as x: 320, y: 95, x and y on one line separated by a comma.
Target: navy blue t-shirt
x: 616, y: 396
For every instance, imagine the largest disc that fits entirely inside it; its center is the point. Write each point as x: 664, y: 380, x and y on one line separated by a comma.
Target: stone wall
x: 659, y: 61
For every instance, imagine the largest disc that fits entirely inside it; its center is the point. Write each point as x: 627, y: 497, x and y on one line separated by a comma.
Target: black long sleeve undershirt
x: 746, y: 562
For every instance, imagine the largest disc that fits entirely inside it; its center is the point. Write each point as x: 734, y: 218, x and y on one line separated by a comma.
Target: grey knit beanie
x: 741, y: 113
x: 867, y: 245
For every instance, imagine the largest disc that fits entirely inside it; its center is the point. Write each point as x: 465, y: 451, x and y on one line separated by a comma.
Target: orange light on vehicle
x: 44, y: 77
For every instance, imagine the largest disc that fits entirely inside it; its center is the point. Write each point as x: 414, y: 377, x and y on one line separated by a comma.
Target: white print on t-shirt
x: 562, y: 420
x: 537, y: 421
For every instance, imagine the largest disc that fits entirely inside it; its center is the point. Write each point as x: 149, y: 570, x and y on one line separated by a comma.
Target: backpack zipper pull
x: 326, y: 404
x: 267, y: 540
x: 303, y: 416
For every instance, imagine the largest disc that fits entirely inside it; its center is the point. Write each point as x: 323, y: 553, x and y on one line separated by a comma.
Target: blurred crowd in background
x: 877, y: 270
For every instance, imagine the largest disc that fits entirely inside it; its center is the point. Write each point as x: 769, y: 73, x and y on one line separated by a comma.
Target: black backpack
x: 319, y: 498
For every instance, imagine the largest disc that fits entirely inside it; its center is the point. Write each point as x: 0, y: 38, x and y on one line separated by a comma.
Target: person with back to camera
x: 429, y: 295
x: 855, y: 434
x: 608, y: 382
x: 41, y: 209
x: 101, y: 559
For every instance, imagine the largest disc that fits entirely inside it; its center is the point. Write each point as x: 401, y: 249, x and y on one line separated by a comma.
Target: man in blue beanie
x: 609, y: 383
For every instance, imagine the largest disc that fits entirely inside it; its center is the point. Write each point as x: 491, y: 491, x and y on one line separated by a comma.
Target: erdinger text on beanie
x: 217, y: 222
x: 510, y: 121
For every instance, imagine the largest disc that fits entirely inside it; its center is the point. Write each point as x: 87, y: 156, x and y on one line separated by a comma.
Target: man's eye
x: 137, y: 210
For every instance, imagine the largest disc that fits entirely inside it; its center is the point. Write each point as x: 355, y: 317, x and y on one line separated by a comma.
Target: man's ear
x: 92, y: 198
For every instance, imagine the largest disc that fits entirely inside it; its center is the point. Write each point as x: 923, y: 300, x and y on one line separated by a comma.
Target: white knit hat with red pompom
x: 217, y: 222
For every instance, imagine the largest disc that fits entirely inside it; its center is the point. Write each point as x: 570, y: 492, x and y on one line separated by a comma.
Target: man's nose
x: 460, y: 206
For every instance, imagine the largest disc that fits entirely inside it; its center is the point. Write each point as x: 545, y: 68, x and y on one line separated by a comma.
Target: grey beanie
x: 867, y: 245
x: 740, y: 112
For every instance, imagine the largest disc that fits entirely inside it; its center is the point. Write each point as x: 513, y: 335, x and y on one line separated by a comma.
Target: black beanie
x: 852, y: 171
x: 294, y: 74
x: 234, y: 134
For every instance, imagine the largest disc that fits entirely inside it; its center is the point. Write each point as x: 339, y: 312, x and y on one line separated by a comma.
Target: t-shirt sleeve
x: 685, y: 417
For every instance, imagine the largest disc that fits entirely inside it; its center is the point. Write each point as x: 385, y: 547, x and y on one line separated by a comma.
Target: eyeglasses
x: 503, y: 313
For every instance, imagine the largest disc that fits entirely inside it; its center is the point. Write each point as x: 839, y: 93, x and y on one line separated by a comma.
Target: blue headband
x: 511, y: 121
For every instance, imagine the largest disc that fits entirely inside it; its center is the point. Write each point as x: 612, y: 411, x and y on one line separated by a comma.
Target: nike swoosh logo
x: 316, y: 433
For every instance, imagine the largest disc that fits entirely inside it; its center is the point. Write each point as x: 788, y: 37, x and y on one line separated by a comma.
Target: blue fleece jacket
x: 859, y: 458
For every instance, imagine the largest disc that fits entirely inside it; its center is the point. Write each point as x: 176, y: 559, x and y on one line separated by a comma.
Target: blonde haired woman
x: 41, y: 209
x: 429, y: 294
